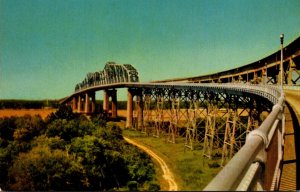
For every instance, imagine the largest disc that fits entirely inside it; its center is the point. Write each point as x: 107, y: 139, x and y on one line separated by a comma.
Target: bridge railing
x: 256, y: 166
x: 270, y: 92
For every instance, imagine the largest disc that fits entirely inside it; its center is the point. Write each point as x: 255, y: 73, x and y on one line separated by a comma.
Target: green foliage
x: 132, y: 185
x: 140, y: 165
x: 63, y: 112
x: 67, y: 152
x: 7, y: 127
x: 214, y: 165
x: 69, y: 129
x: 52, y: 142
x: 153, y: 186
x: 106, y: 166
x: 100, y: 119
x: 43, y: 169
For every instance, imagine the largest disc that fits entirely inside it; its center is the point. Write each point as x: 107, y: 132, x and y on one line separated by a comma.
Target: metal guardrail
x: 244, y: 171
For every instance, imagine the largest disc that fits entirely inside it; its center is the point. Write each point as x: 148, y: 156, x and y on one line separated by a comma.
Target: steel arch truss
x: 112, y: 73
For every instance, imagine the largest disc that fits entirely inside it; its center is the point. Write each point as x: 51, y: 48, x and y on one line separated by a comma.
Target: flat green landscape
x: 191, y: 170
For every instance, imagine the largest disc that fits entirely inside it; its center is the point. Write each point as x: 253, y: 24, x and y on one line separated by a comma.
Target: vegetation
x: 69, y: 152
x: 191, y: 170
x: 27, y: 104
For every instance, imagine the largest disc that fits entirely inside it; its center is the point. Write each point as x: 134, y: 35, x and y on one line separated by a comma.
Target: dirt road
x: 167, y: 174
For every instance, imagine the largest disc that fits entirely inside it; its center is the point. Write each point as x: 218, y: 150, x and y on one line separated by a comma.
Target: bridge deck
x: 288, y: 179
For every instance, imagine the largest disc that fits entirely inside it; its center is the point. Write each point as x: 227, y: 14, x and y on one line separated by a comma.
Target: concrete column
x: 93, y: 96
x: 114, y: 104
x: 129, y: 109
x: 105, y: 101
x: 139, y: 111
x: 74, y: 104
x: 79, y: 104
x: 87, y: 103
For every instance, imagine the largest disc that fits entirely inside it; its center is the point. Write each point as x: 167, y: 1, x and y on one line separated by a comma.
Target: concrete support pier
x: 93, y: 98
x: 106, y: 101
x: 114, y: 104
x: 139, y: 108
x: 79, y: 104
x: 74, y: 104
x: 87, y: 103
x: 139, y: 99
x: 129, y: 109
x: 90, y: 103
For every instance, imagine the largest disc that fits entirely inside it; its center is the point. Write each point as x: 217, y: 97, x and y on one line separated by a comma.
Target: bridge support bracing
x: 147, y: 114
x: 204, y: 115
x: 191, y: 129
x: 159, y: 116
x: 210, y: 131
x: 139, y: 102
x: 174, y: 117
x: 93, y: 100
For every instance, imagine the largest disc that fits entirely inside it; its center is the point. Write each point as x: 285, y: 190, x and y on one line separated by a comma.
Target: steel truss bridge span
x: 112, y: 73
x: 263, y: 71
x: 224, y: 117
x: 266, y: 91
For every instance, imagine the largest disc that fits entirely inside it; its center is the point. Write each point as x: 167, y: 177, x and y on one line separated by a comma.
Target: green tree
x: 7, y: 127
x: 28, y: 127
x: 5, y: 160
x: 63, y: 112
x: 106, y: 166
x: 43, y: 169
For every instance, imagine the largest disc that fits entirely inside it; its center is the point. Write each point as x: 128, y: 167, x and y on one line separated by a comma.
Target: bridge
x: 242, y: 112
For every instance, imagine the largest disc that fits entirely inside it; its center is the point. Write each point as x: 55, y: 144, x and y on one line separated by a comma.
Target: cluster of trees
x: 27, y: 104
x: 69, y: 152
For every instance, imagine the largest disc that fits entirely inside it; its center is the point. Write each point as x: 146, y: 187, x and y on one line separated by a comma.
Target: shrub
x: 132, y: 186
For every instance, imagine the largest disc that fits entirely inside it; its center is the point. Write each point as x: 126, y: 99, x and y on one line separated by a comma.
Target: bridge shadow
x: 297, y: 148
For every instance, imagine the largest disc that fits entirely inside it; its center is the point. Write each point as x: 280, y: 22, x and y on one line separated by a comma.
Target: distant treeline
x: 27, y: 104
x: 121, y: 104
x: 39, y: 104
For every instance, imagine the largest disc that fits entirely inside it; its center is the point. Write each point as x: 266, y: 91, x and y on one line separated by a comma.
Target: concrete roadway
x: 290, y: 168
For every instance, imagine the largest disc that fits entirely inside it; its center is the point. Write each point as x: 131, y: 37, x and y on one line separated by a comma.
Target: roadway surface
x: 167, y: 174
x: 290, y: 169
x: 293, y: 98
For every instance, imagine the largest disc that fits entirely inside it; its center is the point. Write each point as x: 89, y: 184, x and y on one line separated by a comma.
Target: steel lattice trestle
x: 216, y: 120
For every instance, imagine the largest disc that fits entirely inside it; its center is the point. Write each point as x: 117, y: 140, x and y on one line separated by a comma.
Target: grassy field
x: 191, y: 170
x: 21, y: 112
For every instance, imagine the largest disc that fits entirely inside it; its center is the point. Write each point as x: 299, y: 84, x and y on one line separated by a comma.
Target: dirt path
x: 167, y: 174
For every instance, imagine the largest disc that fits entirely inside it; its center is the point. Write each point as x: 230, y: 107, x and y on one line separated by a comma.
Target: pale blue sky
x: 47, y: 46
